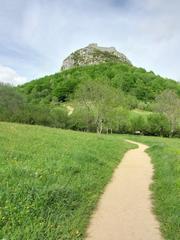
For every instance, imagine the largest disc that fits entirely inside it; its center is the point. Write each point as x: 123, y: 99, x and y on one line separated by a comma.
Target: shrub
x: 138, y: 123
x: 158, y: 125
x: 12, y: 103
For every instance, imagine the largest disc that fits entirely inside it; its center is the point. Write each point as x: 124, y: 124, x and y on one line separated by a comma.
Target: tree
x: 99, y: 99
x: 157, y: 124
x: 138, y: 124
x: 12, y: 103
x: 59, y: 117
x: 117, y: 120
x: 168, y: 103
x: 82, y: 119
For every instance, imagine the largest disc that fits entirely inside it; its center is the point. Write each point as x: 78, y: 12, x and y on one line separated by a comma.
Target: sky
x: 36, y: 35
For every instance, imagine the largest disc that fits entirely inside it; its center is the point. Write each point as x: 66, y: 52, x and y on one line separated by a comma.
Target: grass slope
x: 165, y: 154
x: 51, y: 180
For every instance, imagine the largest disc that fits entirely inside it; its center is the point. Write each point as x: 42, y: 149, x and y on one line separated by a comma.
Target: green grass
x: 51, y: 180
x: 141, y: 112
x: 165, y: 154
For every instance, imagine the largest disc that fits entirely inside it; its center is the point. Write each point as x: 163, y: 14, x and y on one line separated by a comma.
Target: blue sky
x: 36, y: 35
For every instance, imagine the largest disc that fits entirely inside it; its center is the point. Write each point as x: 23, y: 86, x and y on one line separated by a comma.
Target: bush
x: 12, y: 103
x: 82, y: 119
x: 158, y: 125
x: 59, y: 117
x: 138, y: 123
x: 15, y: 108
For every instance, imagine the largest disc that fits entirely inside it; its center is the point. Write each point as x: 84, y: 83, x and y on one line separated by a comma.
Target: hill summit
x: 93, y: 54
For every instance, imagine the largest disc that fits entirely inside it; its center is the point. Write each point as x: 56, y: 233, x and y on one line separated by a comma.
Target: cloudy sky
x: 36, y: 35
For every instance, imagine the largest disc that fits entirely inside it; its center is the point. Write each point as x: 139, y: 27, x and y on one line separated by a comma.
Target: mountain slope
x: 137, y: 82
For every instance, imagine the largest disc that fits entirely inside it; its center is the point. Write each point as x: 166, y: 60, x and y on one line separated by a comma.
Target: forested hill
x: 133, y: 81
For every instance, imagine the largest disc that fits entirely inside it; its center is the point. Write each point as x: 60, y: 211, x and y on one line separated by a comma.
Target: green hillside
x: 109, y: 97
x: 136, y: 82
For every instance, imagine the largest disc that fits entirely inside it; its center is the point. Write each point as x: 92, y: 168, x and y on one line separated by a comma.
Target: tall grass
x: 51, y: 180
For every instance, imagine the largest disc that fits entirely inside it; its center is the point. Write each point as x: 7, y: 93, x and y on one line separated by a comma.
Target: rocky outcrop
x: 93, y: 54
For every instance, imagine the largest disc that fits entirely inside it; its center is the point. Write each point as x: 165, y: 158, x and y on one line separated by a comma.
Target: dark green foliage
x: 12, y: 103
x: 158, y: 124
x: 59, y: 117
x: 81, y: 119
x: 15, y: 108
x: 138, y: 123
x: 136, y: 82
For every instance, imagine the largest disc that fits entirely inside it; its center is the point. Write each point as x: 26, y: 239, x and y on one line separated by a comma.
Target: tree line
x: 97, y: 107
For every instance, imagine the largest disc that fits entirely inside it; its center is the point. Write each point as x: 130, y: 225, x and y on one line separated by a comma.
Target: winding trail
x: 124, y: 210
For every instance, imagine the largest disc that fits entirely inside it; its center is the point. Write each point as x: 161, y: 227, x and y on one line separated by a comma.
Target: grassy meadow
x: 51, y: 180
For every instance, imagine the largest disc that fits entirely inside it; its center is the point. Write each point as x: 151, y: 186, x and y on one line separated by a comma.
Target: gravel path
x: 124, y: 210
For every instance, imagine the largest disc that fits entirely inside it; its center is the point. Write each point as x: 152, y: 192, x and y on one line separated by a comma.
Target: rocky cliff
x: 93, y: 54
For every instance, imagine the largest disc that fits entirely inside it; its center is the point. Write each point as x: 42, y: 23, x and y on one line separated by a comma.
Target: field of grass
x: 165, y: 154
x: 51, y: 180
x: 141, y: 112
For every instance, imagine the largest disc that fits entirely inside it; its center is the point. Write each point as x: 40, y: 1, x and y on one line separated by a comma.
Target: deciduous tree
x: 168, y: 103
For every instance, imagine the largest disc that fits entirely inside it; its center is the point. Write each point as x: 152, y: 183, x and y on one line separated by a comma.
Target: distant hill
x: 133, y: 81
x: 93, y: 54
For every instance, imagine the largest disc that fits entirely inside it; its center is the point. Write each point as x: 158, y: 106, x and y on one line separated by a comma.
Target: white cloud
x: 36, y: 35
x: 10, y: 76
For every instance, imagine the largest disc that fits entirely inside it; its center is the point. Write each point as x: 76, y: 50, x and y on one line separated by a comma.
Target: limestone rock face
x: 93, y: 54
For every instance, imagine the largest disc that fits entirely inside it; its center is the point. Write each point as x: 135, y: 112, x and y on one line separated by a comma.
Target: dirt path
x: 124, y: 211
